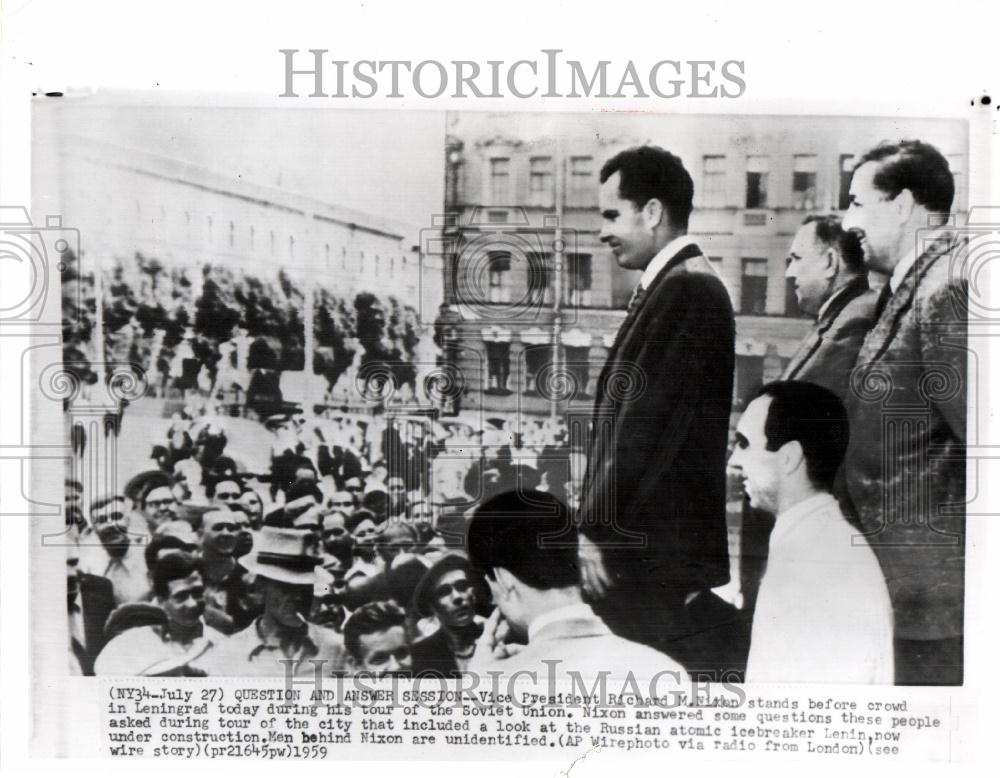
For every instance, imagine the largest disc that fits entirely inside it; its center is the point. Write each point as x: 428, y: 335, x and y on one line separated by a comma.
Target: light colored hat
x: 287, y: 555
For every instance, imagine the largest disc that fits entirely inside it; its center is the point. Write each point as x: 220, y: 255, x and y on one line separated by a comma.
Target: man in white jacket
x: 823, y: 613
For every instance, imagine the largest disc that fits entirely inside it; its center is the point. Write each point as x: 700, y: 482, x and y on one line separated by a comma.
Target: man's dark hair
x: 370, y: 618
x: 212, y: 484
x: 160, y: 543
x: 377, y: 501
x: 913, y: 165
x: 649, y: 172
x: 813, y: 416
x: 172, y: 567
x: 358, y: 516
x: 304, y: 488
x: 529, y: 533
x: 830, y: 232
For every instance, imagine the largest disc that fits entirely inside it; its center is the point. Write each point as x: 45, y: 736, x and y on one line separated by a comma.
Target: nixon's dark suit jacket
x: 828, y: 353
x: 905, y: 463
x: 655, y: 492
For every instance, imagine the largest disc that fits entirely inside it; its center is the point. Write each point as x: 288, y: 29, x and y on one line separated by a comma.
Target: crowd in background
x: 372, y: 505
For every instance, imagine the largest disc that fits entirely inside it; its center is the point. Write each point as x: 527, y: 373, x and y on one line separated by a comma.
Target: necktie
x: 638, y: 295
x: 883, y: 300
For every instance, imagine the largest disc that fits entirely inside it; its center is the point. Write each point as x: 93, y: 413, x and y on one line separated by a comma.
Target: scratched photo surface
x: 407, y: 393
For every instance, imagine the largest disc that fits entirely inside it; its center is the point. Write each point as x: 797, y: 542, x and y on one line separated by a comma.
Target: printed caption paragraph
x: 184, y: 720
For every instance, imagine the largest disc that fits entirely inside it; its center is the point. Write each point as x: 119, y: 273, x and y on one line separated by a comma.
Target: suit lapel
x: 690, y: 251
x: 815, y: 337
x: 884, y: 331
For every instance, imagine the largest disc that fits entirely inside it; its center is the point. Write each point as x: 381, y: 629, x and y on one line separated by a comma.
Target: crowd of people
x: 353, y: 528
x: 409, y: 545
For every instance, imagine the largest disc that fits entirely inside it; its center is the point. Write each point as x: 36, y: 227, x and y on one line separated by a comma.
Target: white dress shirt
x: 823, y: 613
x: 657, y: 263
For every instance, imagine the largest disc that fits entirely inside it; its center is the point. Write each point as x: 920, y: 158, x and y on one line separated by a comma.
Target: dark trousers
x: 929, y: 662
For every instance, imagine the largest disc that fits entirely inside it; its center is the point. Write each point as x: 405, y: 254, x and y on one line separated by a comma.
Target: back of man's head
x: 916, y: 166
x: 815, y: 418
x: 528, y: 533
x: 648, y: 172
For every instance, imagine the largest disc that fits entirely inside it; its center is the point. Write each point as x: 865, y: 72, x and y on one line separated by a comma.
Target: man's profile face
x: 873, y: 216
x: 757, y: 465
x: 812, y: 265
x: 455, y: 599
x: 624, y: 228
x: 384, y: 653
x: 185, y: 602
x: 160, y: 506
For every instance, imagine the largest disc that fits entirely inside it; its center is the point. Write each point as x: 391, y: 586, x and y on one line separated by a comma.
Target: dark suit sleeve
x: 662, y: 471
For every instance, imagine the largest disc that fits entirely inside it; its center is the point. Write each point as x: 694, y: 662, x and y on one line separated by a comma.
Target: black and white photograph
x: 445, y: 407
x: 728, y: 350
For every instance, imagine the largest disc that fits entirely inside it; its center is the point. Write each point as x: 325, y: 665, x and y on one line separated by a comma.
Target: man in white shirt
x: 111, y: 550
x: 823, y: 612
x: 520, y: 542
x: 183, y: 643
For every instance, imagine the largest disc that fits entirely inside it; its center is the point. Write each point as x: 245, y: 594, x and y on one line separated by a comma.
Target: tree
x: 332, y: 326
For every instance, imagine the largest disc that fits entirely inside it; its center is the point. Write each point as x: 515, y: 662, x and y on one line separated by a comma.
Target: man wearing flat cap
x: 448, y: 592
x: 526, y: 545
x: 281, y: 642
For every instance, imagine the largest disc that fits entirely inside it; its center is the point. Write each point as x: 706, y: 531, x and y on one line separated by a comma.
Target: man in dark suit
x: 905, y: 467
x: 831, y: 283
x: 652, y: 514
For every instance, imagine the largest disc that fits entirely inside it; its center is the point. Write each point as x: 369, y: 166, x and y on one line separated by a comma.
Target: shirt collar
x: 657, y: 263
x: 787, y: 520
x: 566, y: 613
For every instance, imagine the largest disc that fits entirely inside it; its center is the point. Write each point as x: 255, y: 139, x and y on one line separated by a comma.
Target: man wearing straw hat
x: 281, y: 642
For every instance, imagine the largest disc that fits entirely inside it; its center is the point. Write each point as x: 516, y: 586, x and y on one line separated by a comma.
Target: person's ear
x: 904, y: 204
x: 653, y: 213
x: 506, y: 582
x: 832, y: 264
x: 791, y: 457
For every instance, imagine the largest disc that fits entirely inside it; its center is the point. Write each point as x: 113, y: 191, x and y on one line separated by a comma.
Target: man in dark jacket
x: 905, y: 466
x: 652, y: 518
x: 447, y: 591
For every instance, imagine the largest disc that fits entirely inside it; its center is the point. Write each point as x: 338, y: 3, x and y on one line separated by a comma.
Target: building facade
x: 125, y: 202
x: 521, y: 186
